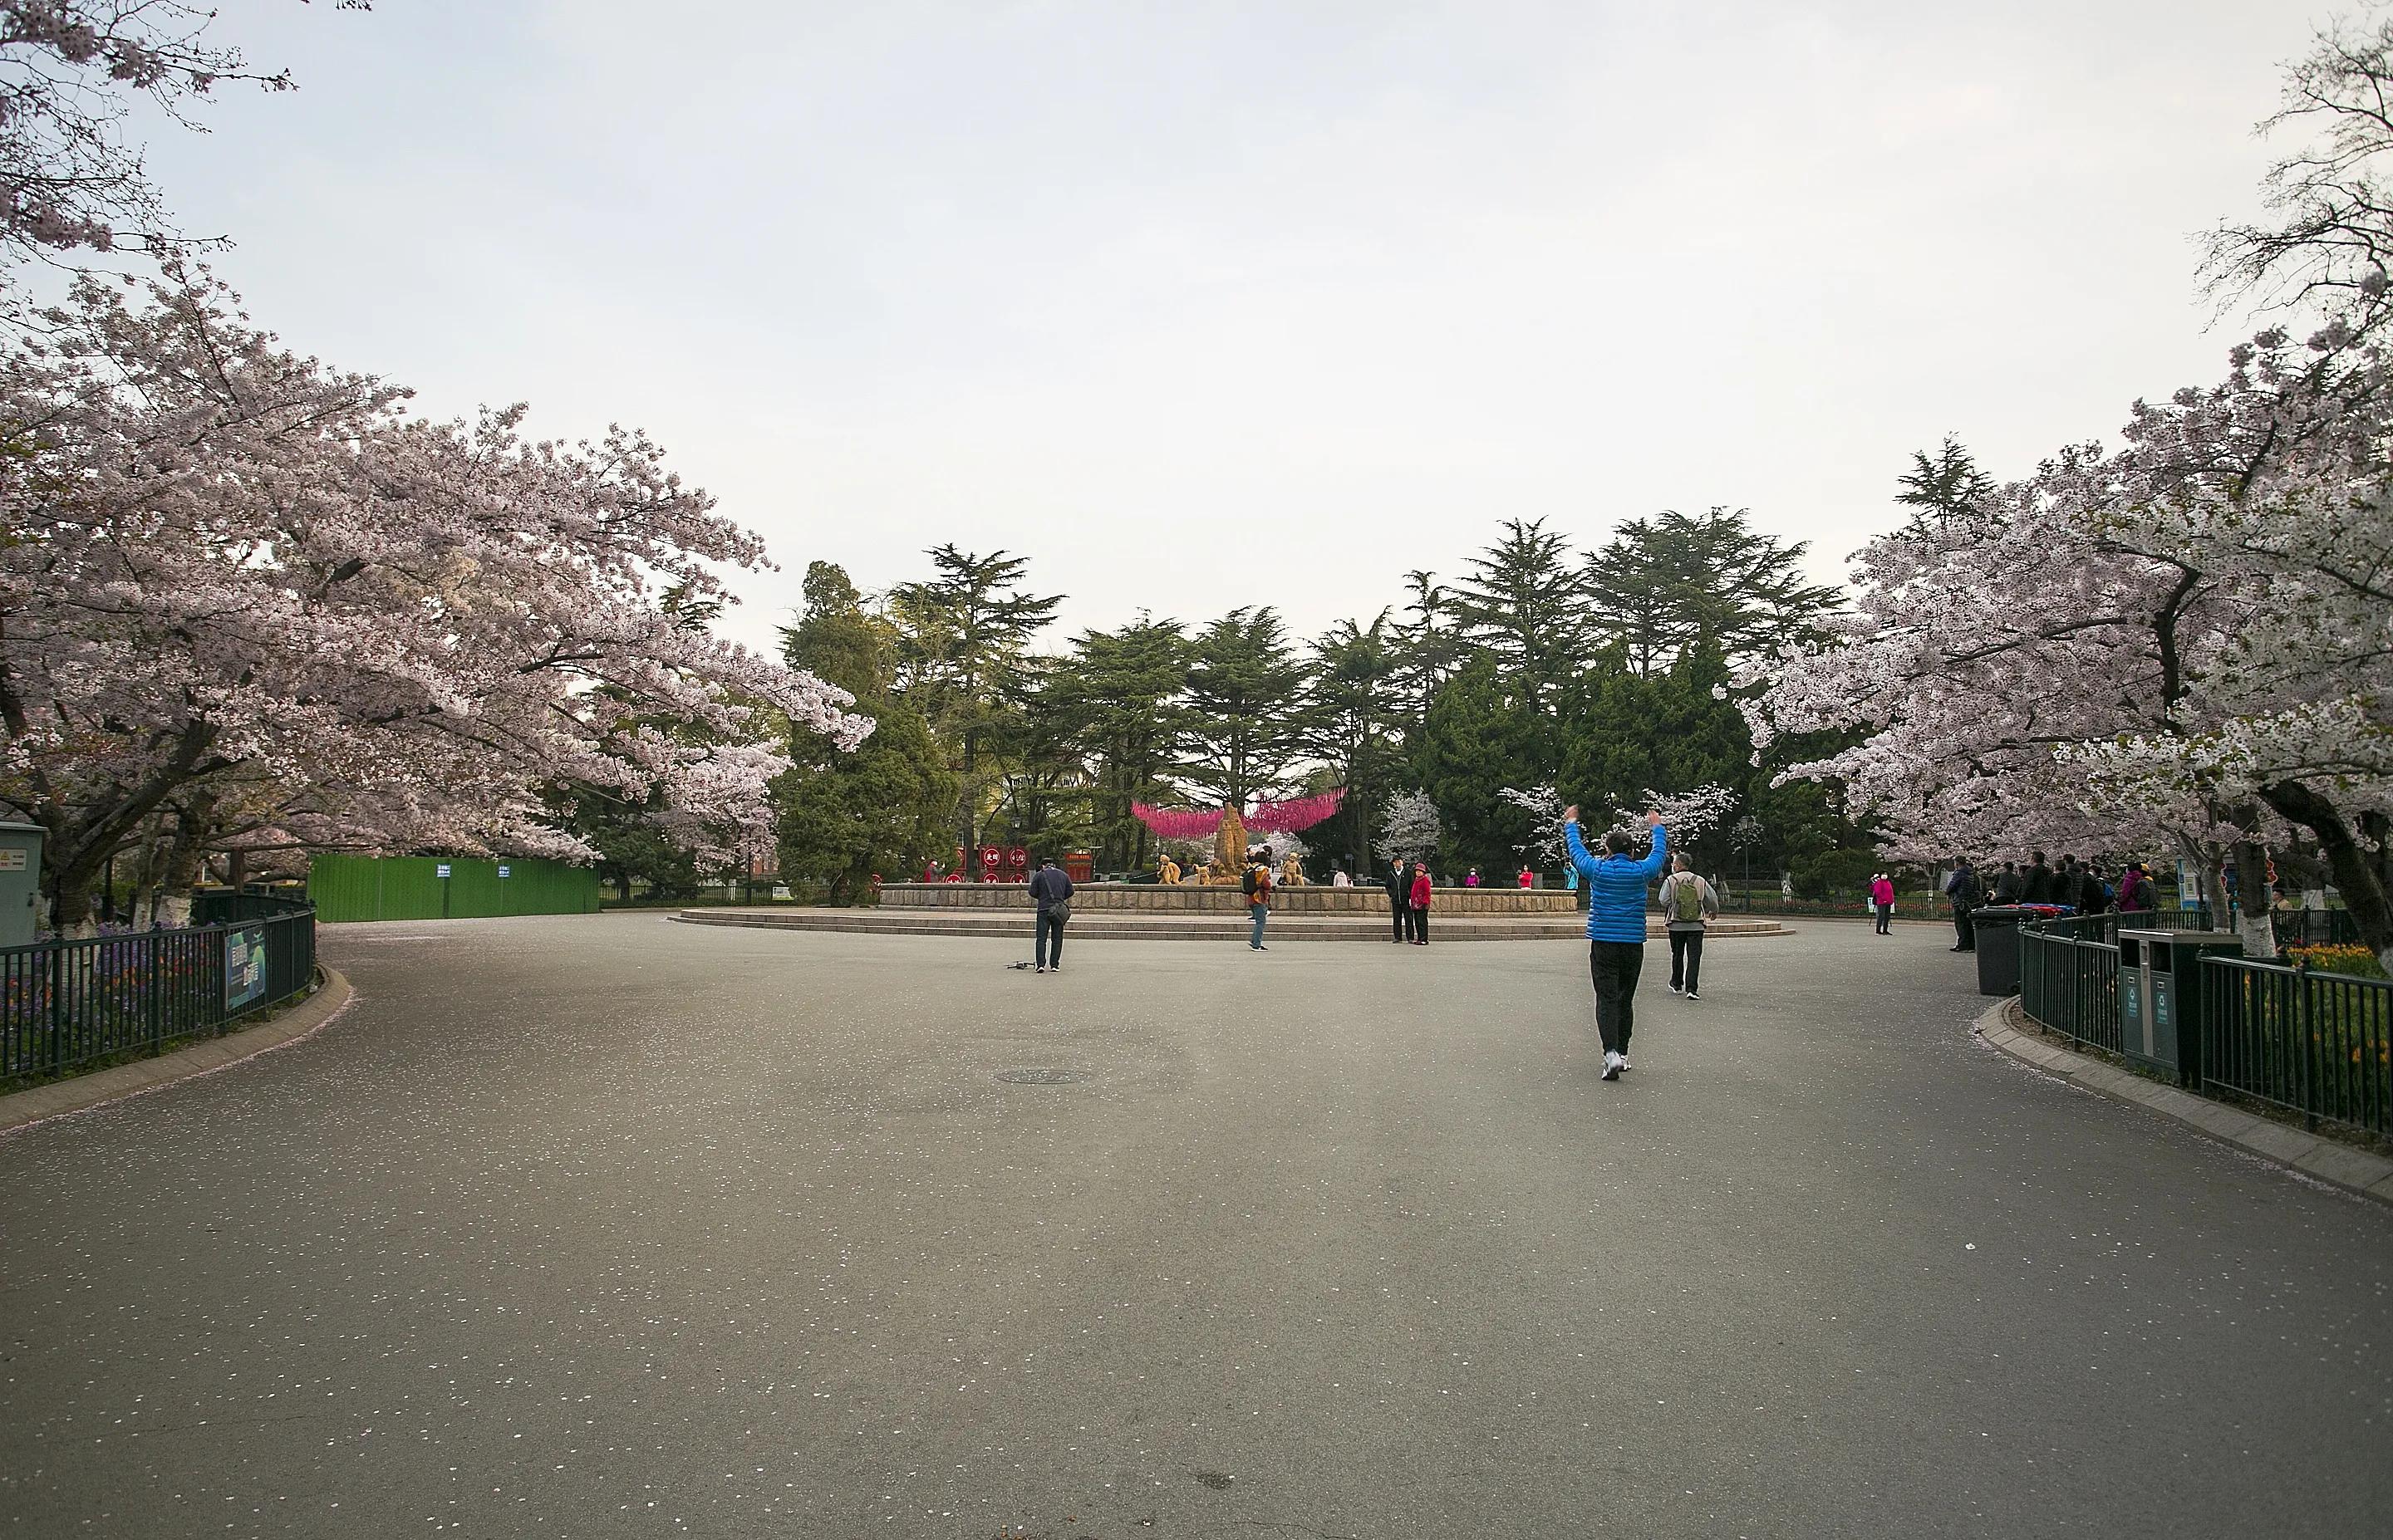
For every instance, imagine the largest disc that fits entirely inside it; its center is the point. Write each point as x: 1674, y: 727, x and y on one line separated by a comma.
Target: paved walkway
x: 607, y: 1226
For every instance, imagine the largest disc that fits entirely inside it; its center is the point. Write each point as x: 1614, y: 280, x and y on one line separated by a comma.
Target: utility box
x: 2160, y: 996
x: 21, y: 881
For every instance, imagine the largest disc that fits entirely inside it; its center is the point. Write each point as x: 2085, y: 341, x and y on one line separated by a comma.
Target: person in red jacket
x: 1529, y: 878
x: 1419, y: 914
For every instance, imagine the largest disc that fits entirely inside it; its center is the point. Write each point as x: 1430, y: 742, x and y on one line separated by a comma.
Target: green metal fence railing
x: 2311, y: 1042
x: 2316, y: 1043
x: 67, y: 1005
x: 2069, y: 977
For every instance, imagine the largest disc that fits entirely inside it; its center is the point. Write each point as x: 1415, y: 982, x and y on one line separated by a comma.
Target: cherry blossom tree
x: 1410, y: 828
x: 69, y: 73
x: 246, y: 591
x: 2186, y: 641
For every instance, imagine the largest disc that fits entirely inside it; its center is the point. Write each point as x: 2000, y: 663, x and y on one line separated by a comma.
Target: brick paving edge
x: 64, y: 1098
x: 2338, y: 1164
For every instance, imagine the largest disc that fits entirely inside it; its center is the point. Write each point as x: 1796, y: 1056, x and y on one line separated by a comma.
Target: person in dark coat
x: 2035, y: 886
x: 1051, y: 891
x: 2009, y: 885
x: 2093, y: 894
x: 1961, y: 888
x: 1399, y: 883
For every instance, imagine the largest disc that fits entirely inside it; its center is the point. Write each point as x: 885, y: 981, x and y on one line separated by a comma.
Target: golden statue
x: 1168, y: 873
x: 1229, y: 850
x: 1291, y: 873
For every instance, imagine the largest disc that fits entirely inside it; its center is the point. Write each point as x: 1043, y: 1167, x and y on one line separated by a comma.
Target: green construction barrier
x: 444, y: 887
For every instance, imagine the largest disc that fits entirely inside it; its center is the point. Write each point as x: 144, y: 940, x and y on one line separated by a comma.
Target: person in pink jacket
x: 1882, y: 900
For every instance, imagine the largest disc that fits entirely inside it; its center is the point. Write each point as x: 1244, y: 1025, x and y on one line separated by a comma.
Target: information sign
x: 244, y: 966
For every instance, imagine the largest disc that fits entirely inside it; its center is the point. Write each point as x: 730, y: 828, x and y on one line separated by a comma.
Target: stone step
x: 1104, y: 926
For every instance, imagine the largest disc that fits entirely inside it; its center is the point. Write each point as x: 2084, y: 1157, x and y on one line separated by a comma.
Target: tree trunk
x: 2360, y: 874
x: 2253, y: 920
x: 144, y: 911
x: 183, y: 858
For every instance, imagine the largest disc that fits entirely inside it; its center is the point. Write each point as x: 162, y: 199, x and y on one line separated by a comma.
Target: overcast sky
x: 1217, y: 304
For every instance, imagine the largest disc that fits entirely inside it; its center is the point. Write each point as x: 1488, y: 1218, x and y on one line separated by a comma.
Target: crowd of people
x: 2079, y: 886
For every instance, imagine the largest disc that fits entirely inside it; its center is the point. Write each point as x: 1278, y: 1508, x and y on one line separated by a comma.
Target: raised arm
x: 1577, y: 847
x: 1658, y: 854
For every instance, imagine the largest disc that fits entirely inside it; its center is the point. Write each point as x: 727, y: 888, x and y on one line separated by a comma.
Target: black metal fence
x: 2312, y: 1042
x: 68, y: 1005
x: 2069, y: 975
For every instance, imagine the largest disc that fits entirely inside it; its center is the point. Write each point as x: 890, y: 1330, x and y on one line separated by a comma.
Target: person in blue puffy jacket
x: 1616, y: 926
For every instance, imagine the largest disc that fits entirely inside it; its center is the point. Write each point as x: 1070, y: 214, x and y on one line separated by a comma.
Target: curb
x: 25, y: 1108
x: 2336, y: 1164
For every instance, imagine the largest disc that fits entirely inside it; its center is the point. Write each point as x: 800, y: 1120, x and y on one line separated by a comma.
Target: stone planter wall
x: 1157, y: 899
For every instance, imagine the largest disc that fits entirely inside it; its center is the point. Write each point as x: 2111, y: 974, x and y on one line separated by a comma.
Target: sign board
x: 12, y: 860
x: 502, y: 870
x: 244, y: 966
x: 440, y: 869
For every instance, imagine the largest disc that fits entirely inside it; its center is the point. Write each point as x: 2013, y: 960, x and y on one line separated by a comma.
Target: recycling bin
x: 1998, y: 946
x: 2160, y: 996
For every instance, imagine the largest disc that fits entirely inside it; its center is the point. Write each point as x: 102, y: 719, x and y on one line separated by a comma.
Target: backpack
x: 1687, y: 897
x: 1246, y: 883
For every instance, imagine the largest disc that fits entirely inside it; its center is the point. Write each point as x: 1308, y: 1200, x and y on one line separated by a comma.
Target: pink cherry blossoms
x: 246, y: 586
x: 2182, y: 643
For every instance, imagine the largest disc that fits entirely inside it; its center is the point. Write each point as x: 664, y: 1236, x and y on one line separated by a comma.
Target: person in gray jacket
x: 1688, y: 904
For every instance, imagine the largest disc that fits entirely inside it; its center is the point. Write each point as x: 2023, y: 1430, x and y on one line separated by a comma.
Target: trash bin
x: 2160, y: 996
x: 1998, y: 946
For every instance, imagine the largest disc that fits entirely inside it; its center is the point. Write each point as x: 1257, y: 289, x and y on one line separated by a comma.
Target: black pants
x: 1416, y: 922
x: 1049, y: 950
x: 1686, y: 959
x: 1964, y: 932
x: 1396, y: 913
x: 1886, y: 920
x: 1614, y: 966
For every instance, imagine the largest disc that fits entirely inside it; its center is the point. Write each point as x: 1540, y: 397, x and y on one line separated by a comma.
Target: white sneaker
x: 1624, y: 1064
x: 1612, y: 1065
x: 1692, y: 996
x: 1675, y: 990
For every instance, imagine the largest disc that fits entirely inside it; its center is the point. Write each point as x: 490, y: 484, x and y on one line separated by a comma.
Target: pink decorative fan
x: 1291, y: 818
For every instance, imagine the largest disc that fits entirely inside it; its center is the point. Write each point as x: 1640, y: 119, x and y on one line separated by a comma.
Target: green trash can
x: 2160, y: 996
x: 1998, y: 946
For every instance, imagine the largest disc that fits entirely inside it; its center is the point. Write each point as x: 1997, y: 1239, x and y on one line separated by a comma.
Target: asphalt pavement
x: 607, y: 1226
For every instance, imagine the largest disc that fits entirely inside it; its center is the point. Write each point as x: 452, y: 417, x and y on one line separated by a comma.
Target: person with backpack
x: 1615, y: 927
x: 1882, y: 903
x: 2136, y: 895
x: 1399, y: 883
x: 1963, y: 889
x: 1257, y: 885
x: 1688, y: 904
x: 1418, y: 911
x: 1051, y: 891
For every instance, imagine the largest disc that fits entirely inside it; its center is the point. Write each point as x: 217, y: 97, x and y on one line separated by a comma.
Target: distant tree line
x: 1601, y: 674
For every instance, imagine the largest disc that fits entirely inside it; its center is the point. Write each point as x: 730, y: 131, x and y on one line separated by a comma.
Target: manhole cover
x: 1041, y: 1077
